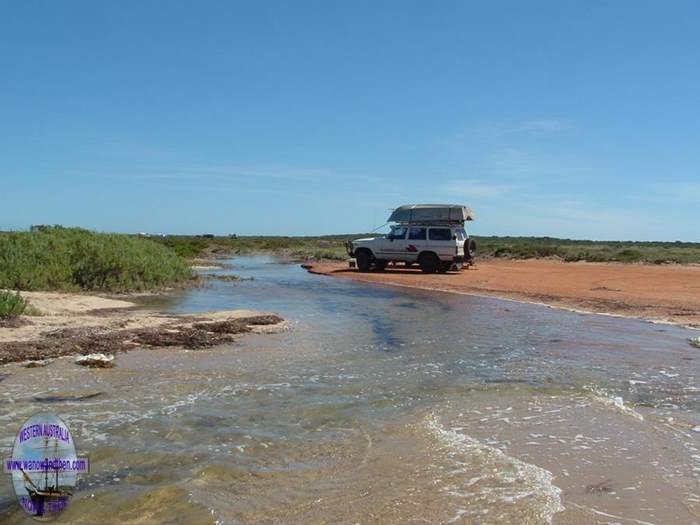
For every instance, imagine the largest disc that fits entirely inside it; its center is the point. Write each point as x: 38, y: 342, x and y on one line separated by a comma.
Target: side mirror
x: 454, y: 237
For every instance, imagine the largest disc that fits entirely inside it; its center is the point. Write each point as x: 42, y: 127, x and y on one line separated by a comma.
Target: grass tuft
x: 11, y: 305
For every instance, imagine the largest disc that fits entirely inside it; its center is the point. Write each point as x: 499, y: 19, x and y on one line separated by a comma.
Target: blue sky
x: 575, y: 119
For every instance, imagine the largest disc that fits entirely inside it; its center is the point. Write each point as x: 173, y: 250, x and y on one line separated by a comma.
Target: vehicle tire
x: 469, y: 249
x: 380, y: 265
x: 429, y: 263
x: 364, y: 260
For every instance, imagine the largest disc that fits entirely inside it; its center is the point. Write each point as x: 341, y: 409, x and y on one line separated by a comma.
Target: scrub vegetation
x: 591, y: 251
x: 71, y: 259
x: 298, y: 248
x: 332, y: 247
x: 58, y: 258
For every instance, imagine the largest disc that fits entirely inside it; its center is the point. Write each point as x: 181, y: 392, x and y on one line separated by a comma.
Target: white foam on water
x: 606, y: 515
x: 190, y: 399
x: 507, y: 479
x: 614, y: 402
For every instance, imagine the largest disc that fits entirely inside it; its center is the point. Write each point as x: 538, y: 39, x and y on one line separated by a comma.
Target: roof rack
x: 446, y: 224
x: 431, y: 214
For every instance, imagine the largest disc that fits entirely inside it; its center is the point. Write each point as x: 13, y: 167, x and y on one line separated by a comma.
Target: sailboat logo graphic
x: 44, y: 466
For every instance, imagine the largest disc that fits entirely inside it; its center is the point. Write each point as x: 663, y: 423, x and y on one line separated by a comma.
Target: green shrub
x: 56, y: 258
x: 628, y: 256
x: 11, y: 305
x: 335, y: 255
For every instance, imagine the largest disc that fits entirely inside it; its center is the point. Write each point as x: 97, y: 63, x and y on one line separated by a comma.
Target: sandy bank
x: 669, y: 293
x: 83, y: 324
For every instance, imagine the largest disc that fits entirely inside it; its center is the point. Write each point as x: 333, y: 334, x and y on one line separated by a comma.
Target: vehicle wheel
x: 469, y: 249
x: 380, y: 266
x: 364, y: 260
x: 429, y: 263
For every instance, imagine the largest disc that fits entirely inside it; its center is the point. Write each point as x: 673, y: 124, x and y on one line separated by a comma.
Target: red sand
x: 664, y: 292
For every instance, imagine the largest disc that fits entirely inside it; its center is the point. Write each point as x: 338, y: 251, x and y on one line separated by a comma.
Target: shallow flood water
x: 382, y: 405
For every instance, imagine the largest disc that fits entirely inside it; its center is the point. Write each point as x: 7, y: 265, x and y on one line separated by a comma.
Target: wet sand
x: 668, y: 293
x: 69, y: 324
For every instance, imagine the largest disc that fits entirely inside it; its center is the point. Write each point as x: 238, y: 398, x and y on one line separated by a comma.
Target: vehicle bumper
x: 457, y: 262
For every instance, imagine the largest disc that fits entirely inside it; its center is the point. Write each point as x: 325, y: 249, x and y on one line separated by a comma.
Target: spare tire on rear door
x: 469, y: 249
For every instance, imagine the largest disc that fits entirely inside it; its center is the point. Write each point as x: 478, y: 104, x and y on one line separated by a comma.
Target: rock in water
x: 695, y: 342
x: 95, y: 360
x: 36, y: 363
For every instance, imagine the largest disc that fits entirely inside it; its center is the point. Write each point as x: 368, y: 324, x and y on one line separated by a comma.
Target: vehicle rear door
x: 440, y: 241
x: 461, y: 235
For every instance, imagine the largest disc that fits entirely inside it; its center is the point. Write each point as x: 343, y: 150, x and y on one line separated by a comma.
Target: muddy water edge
x: 382, y: 406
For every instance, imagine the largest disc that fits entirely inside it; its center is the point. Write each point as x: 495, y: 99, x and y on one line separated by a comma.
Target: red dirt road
x: 665, y: 292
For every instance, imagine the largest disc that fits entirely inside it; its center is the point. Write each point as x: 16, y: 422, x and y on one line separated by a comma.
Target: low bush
x: 334, y: 255
x: 12, y: 304
x: 57, y: 258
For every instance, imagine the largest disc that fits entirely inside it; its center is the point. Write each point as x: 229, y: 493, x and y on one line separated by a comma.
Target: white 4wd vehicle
x: 430, y: 235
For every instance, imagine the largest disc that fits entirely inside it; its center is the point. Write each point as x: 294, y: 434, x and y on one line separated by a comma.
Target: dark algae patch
x: 203, y: 334
x: 59, y: 397
x: 95, y: 340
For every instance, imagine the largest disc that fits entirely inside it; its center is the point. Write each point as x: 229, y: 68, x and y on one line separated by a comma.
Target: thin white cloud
x: 499, y: 130
x: 545, y: 125
x: 509, y: 161
x: 683, y: 191
x: 234, y: 173
x: 477, y: 189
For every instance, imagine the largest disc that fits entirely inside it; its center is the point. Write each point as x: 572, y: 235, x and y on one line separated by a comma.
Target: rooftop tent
x: 431, y: 213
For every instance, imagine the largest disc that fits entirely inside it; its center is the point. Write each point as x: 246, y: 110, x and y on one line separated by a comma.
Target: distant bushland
x: 301, y: 248
x: 58, y: 258
x: 571, y: 250
x: 332, y: 247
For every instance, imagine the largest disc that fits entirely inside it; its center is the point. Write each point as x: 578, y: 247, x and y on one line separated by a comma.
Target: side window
x: 440, y: 234
x: 398, y: 233
x: 416, y: 234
